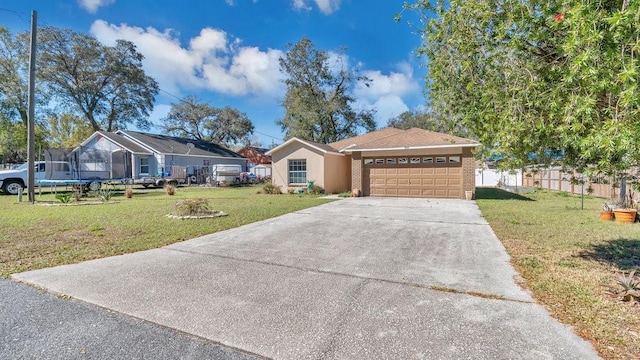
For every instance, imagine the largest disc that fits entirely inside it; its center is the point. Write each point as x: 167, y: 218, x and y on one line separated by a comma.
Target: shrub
x: 316, y: 190
x: 271, y: 189
x: 77, y: 193
x: 191, y: 207
x: 627, y: 287
x: 64, y: 198
x: 105, y: 195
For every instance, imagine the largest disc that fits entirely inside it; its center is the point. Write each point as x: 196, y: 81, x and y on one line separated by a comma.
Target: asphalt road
x: 35, y: 324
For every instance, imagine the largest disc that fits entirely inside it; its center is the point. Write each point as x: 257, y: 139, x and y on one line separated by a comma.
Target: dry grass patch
x: 566, y: 255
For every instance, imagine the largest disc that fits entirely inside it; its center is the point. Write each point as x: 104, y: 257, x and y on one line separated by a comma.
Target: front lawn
x: 37, y: 236
x: 565, y: 255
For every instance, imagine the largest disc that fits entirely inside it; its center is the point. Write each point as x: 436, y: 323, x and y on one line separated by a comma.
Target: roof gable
x: 117, y: 140
x: 323, y: 148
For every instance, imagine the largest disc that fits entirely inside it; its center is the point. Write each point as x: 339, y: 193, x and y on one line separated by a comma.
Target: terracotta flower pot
x: 606, y: 215
x: 625, y: 215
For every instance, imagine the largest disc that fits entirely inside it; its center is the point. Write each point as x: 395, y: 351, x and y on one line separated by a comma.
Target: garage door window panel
x: 298, y: 172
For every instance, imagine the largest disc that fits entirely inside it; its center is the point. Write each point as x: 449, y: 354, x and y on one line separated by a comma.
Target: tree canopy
x: 14, y: 70
x: 93, y: 86
x: 318, y: 103
x: 539, y: 77
x: 106, y: 84
x: 428, y: 121
x: 193, y: 119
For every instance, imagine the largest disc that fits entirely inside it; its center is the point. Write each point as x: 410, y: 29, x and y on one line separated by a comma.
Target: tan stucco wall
x: 337, y: 174
x: 297, y: 151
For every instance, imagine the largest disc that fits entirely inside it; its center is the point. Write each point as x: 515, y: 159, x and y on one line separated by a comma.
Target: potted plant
x: 627, y: 211
x: 607, y: 212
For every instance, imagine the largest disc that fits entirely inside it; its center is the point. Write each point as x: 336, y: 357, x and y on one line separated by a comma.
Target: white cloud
x: 211, y: 61
x: 92, y: 5
x: 395, y: 83
x: 325, y: 6
x: 301, y: 5
x: 385, y: 93
x: 328, y: 6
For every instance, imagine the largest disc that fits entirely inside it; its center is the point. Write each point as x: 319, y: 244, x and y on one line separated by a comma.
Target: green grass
x: 565, y: 255
x: 37, y: 236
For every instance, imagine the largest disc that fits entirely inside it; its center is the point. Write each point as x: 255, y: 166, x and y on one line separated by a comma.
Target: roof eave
x: 412, y: 147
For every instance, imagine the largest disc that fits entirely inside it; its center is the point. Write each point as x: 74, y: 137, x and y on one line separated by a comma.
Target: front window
x: 144, y: 165
x: 298, y: 171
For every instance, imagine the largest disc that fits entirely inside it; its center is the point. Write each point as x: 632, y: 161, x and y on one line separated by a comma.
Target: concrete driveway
x: 358, y: 278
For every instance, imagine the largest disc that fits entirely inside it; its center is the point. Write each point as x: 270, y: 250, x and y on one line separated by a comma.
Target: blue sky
x: 226, y: 51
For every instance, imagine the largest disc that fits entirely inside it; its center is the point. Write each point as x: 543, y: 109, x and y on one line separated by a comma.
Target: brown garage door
x: 423, y: 176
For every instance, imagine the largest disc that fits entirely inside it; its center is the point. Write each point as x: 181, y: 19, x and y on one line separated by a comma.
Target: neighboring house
x: 258, y: 163
x: 255, y: 155
x: 130, y: 154
x: 387, y: 162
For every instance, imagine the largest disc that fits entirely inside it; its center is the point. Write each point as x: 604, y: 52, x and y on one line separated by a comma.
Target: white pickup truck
x: 54, y: 172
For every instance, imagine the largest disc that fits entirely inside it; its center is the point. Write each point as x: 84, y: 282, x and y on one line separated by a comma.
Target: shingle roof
x: 374, y: 135
x: 175, y: 145
x: 388, y: 138
x: 412, y: 138
x: 325, y: 147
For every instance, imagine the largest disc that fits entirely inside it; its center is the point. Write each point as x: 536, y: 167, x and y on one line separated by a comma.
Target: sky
x: 226, y: 51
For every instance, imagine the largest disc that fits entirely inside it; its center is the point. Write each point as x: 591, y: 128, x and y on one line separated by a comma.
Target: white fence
x: 494, y: 177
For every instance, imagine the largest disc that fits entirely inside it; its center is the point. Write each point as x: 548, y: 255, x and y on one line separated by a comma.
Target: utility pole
x: 31, y: 147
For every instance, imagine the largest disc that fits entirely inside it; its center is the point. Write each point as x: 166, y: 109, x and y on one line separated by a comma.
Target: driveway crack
x: 366, y: 278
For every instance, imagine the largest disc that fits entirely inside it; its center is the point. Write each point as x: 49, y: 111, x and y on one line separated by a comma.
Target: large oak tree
x: 193, y: 119
x: 106, y: 84
x: 318, y: 103
x: 14, y: 71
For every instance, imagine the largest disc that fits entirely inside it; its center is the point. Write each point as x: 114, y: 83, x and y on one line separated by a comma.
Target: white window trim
x: 289, y: 171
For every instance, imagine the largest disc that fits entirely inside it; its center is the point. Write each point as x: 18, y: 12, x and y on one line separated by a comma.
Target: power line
x: 170, y: 94
x: 20, y: 15
x: 267, y: 135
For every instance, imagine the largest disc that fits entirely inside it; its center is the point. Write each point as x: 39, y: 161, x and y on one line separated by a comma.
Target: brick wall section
x: 468, y: 171
x: 356, y: 171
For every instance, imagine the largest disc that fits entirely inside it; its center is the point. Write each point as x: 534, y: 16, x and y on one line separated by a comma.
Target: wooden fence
x: 572, y: 182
